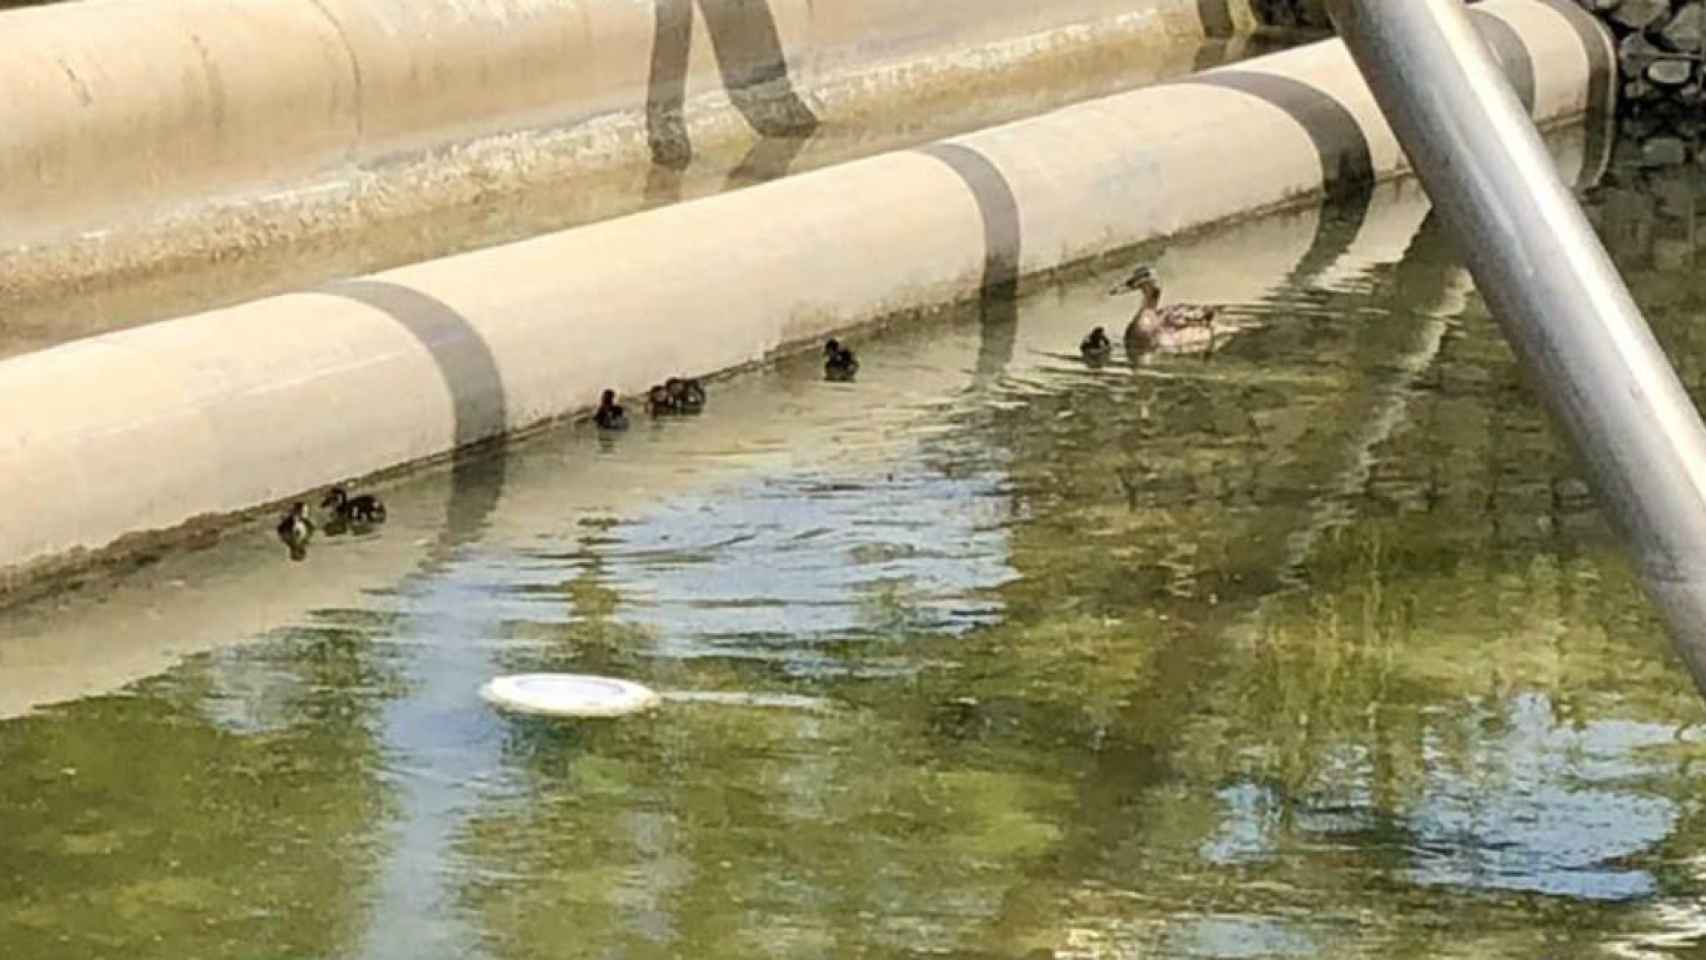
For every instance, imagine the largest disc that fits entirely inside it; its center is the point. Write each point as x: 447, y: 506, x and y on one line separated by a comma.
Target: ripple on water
x: 1297, y: 650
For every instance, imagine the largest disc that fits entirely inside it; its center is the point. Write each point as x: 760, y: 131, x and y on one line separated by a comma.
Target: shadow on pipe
x: 476, y: 389
x: 1003, y: 246
x: 753, y: 67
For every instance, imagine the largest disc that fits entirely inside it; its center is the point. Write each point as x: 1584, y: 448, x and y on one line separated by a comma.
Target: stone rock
x: 1664, y: 152
x: 1670, y: 72
x: 1625, y: 153
x: 1634, y: 52
x: 1667, y: 109
x: 1686, y: 30
x: 1639, y: 14
x: 1638, y: 90
x: 1640, y: 126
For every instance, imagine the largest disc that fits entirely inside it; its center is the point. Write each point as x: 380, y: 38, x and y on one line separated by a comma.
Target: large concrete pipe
x: 116, y: 108
x: 147, y: 429
x: 133, y: 257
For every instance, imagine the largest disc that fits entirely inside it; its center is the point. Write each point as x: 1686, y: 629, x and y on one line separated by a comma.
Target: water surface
x: 1316, y: 647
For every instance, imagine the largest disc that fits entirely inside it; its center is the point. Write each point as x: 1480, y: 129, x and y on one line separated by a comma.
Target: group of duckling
x: 685, y: 396
x: 677, y: 396
x: 1175, y: 328
x: 342, y: 514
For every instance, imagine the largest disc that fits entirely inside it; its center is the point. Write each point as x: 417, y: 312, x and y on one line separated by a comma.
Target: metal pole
x: 1552, y: 288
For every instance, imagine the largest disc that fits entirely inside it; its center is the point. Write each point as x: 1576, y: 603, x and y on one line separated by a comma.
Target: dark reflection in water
x: 1314, y: 648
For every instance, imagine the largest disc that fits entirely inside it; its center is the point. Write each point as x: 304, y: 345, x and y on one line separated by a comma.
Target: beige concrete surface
x: 364, y: 218
x: 146, y: 429
x: 123, y: 108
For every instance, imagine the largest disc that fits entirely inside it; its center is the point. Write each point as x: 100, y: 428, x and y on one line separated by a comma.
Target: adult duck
x: 1174, y: 328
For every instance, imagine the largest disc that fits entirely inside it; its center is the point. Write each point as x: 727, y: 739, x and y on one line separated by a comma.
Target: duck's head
x: 608, y: 399
x: 1143, y: 278
x: 658, y: 394
x: 1098, y: 335
x: 299, y: 509
x: 335, y: 497
x: 832, y: 348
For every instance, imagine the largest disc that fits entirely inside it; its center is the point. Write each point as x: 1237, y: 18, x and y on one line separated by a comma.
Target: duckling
x: 692, y: 395
x: 1175, y: 328
x: 658, y: 401
x: 296, y: 530
x: 1096, y: 349
x: 686, y: 395
x: 839, y: 362
x: 610, y: 415
x: 356, y: 511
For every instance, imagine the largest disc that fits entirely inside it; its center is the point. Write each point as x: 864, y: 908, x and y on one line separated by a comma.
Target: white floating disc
x: 568, y: 695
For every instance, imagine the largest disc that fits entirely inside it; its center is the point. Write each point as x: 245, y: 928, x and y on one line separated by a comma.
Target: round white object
x: 568, y: 695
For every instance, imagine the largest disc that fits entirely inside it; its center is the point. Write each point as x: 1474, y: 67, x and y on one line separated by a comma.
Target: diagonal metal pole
x: 1552, y: 287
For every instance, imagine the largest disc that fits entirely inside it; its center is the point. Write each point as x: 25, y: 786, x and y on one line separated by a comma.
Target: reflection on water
x: 1314, y: 648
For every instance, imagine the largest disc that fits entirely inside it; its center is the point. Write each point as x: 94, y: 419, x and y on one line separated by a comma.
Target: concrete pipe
x: 119, y: 108
x: 147, y: 429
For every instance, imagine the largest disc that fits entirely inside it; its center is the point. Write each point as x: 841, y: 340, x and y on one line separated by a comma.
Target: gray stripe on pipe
x: 1602, y: 84
x: 1002, y: 245
x: 476, y: 389
x: 1511, y: 53
x: 1347, y: 164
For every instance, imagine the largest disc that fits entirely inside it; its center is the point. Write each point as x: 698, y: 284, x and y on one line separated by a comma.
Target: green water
x: 1315, y: 648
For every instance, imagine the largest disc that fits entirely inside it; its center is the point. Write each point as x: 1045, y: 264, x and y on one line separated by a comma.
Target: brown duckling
x: 839, y: 363
x: 658, y: 401
x: 610, y: 415
x: 296, y: 530
x: 1096, y: 349
x: 359, y: 511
